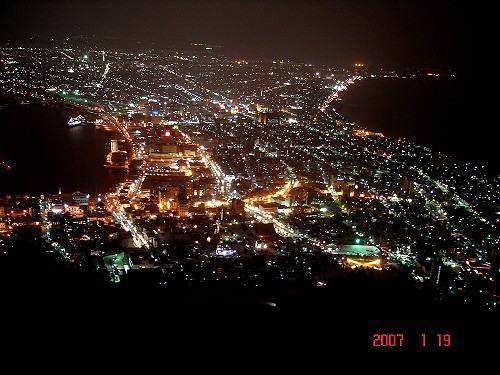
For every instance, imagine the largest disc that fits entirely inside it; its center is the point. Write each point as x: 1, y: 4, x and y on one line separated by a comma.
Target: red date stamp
x: 398, y: 340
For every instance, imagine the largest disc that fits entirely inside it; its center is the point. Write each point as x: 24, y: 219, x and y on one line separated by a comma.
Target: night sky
x: 381, y: 33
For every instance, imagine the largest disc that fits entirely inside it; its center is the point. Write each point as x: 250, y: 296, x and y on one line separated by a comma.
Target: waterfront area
x: 246, y: 186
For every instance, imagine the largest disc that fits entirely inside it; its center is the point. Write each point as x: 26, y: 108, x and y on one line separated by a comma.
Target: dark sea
x: 47, y: 156
x: 442, y: 113
x: 436, y: 112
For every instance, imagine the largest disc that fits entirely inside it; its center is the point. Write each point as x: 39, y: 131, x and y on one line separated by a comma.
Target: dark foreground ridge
x: 354, y: 312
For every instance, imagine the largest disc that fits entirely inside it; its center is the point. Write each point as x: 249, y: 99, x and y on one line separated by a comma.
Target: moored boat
x: 78, y: 120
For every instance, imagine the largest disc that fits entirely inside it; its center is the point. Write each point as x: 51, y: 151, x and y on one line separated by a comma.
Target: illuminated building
x: 359, y: 256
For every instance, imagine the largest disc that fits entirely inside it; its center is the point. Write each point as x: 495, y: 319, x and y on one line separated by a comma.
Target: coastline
x: 374, y: 104
x: 429, y: 111
x: 49, y: 155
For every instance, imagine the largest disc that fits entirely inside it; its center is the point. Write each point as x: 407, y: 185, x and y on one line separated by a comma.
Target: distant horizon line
x: 133, y: 45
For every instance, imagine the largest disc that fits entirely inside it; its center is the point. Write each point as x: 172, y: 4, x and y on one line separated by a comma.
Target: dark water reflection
x: 46, y: 155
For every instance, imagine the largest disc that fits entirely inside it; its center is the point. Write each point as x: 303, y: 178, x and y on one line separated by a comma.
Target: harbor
x: 49, y: 154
